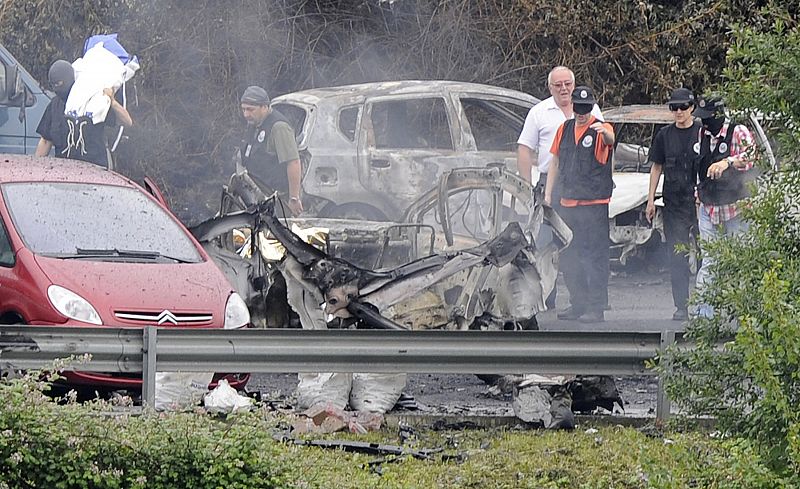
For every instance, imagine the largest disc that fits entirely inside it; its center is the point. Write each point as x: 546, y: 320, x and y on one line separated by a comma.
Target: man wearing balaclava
x: 724, y: 165
x: 581, y: 165
x: 269, y: 150
x: 55, y: 130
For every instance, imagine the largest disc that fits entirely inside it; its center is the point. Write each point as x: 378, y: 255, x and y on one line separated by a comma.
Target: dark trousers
x: 678, y: 226
x: 585, y: 261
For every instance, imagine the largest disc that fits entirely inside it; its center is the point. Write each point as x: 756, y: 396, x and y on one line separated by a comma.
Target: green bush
x: 752, y: 385
x: 47, y: 445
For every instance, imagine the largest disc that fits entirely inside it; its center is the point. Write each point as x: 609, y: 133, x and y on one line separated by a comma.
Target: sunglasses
x: 676, y: 107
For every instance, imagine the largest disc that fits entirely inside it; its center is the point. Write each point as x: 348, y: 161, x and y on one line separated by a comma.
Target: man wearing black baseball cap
x: 269, y: 150
x: 724, y: 165
x: 582, y: 167
x: 673, y: 154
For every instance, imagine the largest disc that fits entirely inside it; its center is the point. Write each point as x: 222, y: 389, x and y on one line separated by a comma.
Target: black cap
x: 710, y: 106
x: 254, y: 95
x: 681, y: 96
x: 583, y: 95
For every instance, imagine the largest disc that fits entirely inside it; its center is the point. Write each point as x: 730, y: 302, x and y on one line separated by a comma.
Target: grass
x: 609, y: 457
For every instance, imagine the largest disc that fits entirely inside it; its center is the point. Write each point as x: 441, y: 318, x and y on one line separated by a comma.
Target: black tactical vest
x: 261, y: 164
x: 580, y: 175
x: 730, y: 187
x: 680, y: 173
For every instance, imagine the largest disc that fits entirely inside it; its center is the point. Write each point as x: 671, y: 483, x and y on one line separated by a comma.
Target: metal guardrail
x: 376, y: 351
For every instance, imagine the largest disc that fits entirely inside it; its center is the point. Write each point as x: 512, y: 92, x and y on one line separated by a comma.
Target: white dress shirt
x: 540, y: 128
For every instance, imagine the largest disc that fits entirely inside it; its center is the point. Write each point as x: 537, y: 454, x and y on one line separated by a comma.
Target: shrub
x: 752, y: 385
x: 47, y: 445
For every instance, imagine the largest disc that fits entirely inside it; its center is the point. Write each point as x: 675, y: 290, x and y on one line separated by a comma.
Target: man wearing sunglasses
x: 582, y: 167
x: 673, y: 154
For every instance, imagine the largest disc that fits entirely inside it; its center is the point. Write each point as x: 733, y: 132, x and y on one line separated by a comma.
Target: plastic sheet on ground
x: 323, y: 388
x: 226, y: 399
x: 377, y: 393
x: 177, y: 391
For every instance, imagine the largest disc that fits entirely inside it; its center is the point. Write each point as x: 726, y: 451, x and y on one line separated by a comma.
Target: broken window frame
x: 368, y: 124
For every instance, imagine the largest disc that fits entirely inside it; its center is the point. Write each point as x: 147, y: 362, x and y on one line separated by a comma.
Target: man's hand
x: 603, y: 132
x: 650, y: 210
x: 548, y: 197
x: 109, y: 92
x: 599, y: 127
x: 296, y: 206
x: 716, y: 169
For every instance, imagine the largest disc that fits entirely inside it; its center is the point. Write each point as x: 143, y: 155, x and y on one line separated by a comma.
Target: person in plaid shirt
x: 724, y: 165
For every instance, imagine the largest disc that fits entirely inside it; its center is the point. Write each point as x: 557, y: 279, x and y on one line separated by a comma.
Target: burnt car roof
x: 24, y: 168
x: 402, y: 87
x: 638, y: 114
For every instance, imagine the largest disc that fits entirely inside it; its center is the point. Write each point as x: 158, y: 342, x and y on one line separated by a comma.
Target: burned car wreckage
x: 464, y: 257
x: 458, y: 259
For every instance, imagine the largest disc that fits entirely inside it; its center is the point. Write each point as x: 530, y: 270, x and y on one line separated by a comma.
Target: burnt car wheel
x: 353, y: 211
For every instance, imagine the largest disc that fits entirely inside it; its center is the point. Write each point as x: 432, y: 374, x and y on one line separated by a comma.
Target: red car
x: 84, y: 246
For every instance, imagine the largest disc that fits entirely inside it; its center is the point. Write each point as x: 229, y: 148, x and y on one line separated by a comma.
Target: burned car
x: 370, y: 150
x: 462, y: 256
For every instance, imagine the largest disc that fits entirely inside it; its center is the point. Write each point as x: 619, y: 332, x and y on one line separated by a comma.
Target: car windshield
x: 95, y: 222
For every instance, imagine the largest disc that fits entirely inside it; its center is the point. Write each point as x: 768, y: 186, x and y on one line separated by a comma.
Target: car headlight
x: 236, y: 313
x: 72, y: 305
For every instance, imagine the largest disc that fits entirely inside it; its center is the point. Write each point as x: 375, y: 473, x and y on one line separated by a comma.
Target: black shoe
x: 592, y: 317
x: 680, y: 314
x: 570, y: 313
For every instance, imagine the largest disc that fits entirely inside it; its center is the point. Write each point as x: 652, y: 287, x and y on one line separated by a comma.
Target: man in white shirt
x: 543, y: 121
x: 537, y: 136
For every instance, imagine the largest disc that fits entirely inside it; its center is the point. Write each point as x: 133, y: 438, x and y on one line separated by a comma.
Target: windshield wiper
x: 99, y: 253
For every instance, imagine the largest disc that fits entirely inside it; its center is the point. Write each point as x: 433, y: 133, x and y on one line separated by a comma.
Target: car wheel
x: 363, y: 212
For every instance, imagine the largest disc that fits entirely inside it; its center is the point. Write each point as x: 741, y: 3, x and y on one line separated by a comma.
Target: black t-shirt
x: 55, y: 128
x: 686, y: 136
x: 676, y: 149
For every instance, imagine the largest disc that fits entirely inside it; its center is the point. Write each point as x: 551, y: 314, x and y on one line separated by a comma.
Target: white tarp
x: 98, y: 69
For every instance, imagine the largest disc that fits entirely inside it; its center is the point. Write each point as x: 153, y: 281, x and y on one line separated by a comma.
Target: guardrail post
x: 149, y: 351
x: 662, y: 400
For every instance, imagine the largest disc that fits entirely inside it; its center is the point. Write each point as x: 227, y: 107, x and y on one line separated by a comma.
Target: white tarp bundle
x: 98, y: 69
x: 225, y: 399
x: 176, y: 391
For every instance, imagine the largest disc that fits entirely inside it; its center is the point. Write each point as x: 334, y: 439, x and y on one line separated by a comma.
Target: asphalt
x: 639, y: 301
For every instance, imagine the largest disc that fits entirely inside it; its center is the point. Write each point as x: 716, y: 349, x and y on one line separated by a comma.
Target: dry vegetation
x: 198, y: 56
